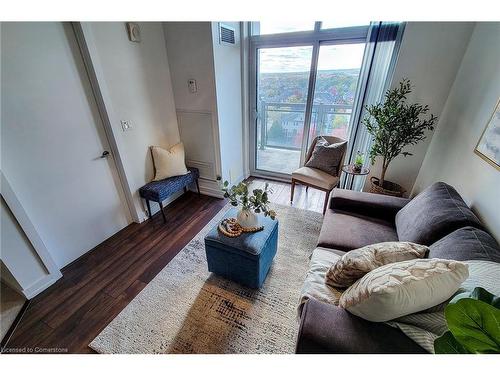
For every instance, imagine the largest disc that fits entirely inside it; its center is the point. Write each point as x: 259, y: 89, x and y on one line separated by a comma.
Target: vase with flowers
x: 250, y: 203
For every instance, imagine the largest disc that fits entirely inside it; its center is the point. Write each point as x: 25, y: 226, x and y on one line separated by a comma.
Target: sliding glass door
x: 282, y: 89
x: 337, y: 78
x: 303, y: 84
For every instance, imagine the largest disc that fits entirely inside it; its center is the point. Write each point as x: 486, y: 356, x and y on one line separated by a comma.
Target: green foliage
x: 447, y: 344
x: 360, y: 159
x: 340, y: 121
x: 395, y: 124
x: 474, y: 324
x: 238, y: 195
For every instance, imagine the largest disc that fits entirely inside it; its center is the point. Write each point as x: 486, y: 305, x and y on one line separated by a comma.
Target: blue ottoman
x: 245, y: 259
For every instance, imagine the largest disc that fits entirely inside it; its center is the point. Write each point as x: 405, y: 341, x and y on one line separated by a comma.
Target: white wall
x: 18, y: 255
x: 136, y: 81
x: 471, y: 102
x: 430, y: 56
x: 191, y: 56
x: 227, y: 59
x: 210, y: 120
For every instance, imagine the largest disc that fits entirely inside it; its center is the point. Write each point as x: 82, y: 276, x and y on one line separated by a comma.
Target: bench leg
x: 149, y: 208
x: 198, y: 186
x: 185, y: 189
x: 162, y: 213
x: 292, y: 190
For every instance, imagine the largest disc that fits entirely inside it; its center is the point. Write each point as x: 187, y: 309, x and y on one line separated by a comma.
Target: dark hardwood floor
x: 96, y: 287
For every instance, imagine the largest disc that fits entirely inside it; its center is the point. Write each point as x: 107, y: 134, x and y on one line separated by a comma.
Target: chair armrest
x: 325, y: 328
x: 367, y: 204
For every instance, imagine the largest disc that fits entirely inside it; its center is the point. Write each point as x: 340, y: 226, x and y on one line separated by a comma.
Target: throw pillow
x: 403, y: 288
x: 356, y: 263
x: 327, y: 157
x: 168, y: 163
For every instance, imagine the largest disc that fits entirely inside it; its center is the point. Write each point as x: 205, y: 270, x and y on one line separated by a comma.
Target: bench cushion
x: 158, y: 191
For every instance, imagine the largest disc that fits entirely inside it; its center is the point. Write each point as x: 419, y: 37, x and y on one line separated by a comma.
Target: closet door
x: 54, y: 149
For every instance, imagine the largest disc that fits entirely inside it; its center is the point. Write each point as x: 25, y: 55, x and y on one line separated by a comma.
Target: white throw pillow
x: 403, y: 288
x: 169, y: 163
x: 356, y: 263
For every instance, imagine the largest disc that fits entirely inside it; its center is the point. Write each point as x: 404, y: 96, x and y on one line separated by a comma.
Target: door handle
x: 105, y: 154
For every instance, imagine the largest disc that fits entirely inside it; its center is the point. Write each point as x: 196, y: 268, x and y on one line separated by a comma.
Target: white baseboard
x: 40, y: 285
x: 210, y: 188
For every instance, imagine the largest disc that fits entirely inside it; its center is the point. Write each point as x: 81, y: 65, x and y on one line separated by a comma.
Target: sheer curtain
x: 382, y: 50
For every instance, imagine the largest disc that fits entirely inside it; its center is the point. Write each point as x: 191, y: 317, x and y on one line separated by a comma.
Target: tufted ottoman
x: 245, y: 259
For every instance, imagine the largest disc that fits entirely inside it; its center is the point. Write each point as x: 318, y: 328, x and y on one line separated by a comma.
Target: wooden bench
x: 158, y: 191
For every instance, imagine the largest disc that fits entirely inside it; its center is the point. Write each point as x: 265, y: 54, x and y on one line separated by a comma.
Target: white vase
x: 247, y: 218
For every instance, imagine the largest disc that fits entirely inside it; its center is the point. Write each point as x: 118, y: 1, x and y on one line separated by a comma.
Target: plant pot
x: 357, y: 168
x: 389, y: 188
x: 247, y: 219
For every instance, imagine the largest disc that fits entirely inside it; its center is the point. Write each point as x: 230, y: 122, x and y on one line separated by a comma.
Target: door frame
x: 87, y: 50
x: 315, y: 38
x: 20, y: 215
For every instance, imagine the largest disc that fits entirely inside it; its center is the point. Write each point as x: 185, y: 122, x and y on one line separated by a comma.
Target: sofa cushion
x: 432, y: 214
x: 314, y: 284
x: 347, y: 231
x: 315, y: 177
x: 325, y: 328
x: 367, y: 204
x: 467, y: 243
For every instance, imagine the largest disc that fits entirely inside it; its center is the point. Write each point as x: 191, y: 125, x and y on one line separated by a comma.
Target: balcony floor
x: 278, y: 160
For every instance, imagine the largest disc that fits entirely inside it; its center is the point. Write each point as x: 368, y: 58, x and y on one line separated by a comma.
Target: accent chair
x: 316, y: 178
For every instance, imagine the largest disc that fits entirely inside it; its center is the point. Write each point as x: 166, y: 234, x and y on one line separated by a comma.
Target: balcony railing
x: 281, y: 125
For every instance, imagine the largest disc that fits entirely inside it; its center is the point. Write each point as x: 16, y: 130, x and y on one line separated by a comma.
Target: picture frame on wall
x: 488, y: 146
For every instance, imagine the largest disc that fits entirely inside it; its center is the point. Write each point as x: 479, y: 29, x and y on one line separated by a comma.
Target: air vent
x: 226, y: 34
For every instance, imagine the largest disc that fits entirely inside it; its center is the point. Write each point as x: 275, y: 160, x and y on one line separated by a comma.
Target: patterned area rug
x: 186, y: 309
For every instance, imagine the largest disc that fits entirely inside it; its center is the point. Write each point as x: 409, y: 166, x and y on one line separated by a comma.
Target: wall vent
x: 226, y: 34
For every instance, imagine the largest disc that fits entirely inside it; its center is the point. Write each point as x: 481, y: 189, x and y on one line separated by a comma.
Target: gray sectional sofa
x: 438, y: 217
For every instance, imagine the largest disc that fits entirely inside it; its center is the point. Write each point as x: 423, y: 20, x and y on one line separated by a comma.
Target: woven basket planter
x: 394, y: 189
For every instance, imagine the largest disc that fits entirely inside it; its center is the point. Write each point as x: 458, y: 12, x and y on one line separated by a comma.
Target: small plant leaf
x: 480, y: 294
x: 475, y: 325
x: 447, y: 344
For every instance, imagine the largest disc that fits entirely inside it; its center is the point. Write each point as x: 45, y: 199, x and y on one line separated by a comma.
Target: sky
x: 298, y: 59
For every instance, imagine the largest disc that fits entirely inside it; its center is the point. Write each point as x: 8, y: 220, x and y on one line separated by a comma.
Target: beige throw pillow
x: 356, y: 263
x: 169, y: 163
x: 403, y: 288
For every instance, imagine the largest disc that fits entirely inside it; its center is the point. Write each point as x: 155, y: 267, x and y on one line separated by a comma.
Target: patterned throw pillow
x: 357, y: 263
x: 327, y: 157
x: 403, y: 288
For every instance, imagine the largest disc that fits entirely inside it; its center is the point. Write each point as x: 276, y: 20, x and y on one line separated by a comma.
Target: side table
x: 351, y: 173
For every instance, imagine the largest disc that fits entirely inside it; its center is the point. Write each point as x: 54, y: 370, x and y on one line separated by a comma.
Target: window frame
x: 315, y: 38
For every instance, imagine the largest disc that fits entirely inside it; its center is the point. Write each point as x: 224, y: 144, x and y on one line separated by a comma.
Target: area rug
x: 186, y: 309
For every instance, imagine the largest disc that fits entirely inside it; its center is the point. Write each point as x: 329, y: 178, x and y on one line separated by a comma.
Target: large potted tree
x: 395, y: 124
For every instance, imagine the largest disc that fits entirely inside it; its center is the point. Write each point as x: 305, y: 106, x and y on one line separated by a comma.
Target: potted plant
x: 394, y: 125
x: 256, y: 203
x: 473, y: 323
x: 359, y: 161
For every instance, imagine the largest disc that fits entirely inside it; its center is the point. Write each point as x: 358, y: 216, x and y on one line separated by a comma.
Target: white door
x: 53, y: 139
